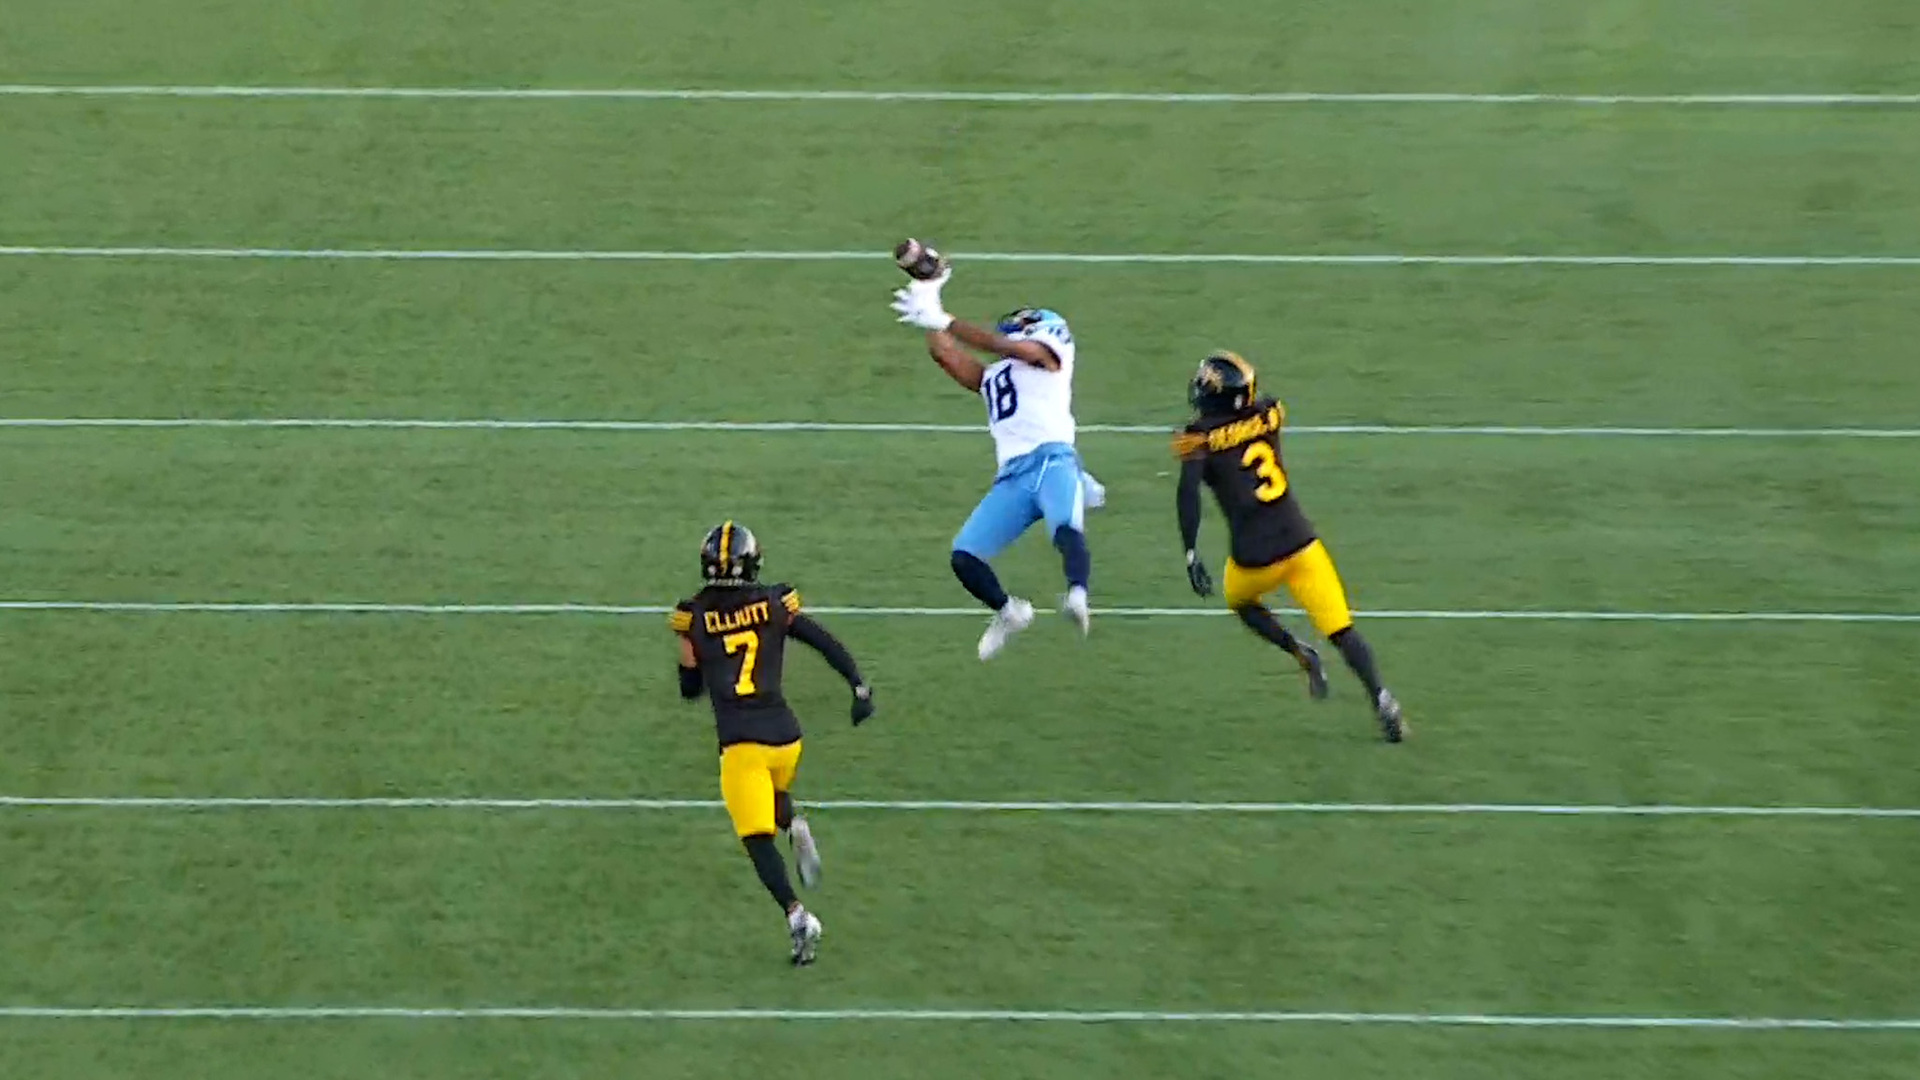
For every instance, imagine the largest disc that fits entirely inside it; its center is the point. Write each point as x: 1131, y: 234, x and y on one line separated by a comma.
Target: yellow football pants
x: 750, y: 773
x: 1308, y: 574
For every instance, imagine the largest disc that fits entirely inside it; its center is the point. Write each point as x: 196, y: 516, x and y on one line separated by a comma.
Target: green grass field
x: 1557, y: 918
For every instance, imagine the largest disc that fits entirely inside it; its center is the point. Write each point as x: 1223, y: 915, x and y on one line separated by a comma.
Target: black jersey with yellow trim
x: 1239, y: 457
x: 739, y: 636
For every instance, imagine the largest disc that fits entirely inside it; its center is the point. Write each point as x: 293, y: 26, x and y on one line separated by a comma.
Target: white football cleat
x: 1095, y: 491
x: 1008, y: 621
x: 806, y: 854
x: 806, y: 931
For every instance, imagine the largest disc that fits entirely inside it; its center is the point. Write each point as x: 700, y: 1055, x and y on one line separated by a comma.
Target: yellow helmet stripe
x: 726, y: 542
x: 1246, y: 369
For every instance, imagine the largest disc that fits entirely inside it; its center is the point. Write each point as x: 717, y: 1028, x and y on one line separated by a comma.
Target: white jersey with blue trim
x: 1028, y: 406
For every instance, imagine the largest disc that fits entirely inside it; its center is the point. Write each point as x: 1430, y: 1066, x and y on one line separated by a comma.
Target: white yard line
x: 857, y: 427
x: 1053, y: 258
x: 1060, y: 1016
x: 984, y: 97
x: 342, y: 608
x: 967, y: 806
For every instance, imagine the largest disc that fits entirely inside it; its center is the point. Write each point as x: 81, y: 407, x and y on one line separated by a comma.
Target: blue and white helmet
x: 1043, y: 325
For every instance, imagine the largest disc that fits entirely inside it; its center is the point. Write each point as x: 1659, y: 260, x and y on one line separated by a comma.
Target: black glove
x: 1197, y: 575
x: 862, y: 703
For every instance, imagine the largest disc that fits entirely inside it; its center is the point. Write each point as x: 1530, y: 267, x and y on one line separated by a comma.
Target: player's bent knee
x: 1253, y: 615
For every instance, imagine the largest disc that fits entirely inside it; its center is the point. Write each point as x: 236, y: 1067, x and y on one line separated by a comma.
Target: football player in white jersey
x: 1028, y: 389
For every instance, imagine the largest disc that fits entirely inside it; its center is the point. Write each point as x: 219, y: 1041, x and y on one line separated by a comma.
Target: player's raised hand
x: 1197, y: 576
x: 919, y: 305
x: 862, y: 704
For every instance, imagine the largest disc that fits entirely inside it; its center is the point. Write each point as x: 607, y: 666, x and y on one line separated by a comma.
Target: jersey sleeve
x: 789, y: 600
x: 1058, y: 339
x: 680, y: 619
x: 1191, y: 444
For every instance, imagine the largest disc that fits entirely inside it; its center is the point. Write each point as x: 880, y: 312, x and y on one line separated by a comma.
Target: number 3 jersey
x: 1028, y: 407
x: 739, y: 636
x: 1239, y: 458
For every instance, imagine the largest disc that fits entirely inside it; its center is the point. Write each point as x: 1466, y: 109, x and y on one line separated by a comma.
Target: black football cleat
x: 1393, y: 726
x: 1316, y: 673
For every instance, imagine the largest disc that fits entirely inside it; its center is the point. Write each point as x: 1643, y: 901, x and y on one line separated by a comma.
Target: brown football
x: 918, y: 260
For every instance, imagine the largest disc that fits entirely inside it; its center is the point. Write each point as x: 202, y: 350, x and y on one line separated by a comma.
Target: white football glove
x: 919, y: 304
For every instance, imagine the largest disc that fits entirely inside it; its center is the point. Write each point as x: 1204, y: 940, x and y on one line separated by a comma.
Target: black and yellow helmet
x: 730, y: 555
x: 1224, y: 383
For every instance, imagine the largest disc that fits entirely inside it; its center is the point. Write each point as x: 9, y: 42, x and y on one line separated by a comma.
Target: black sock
x: 783, y: 810
x: 979, y: 579
x: 1354, y: 649
x: 771, y: 868
x: 1074, y: 557
x: 1261, y: 621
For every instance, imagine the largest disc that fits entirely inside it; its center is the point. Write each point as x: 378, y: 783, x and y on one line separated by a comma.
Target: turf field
x: 1405, y: 924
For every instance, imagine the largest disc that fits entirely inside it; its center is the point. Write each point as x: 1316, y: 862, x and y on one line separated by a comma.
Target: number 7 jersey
x: 1239, y: 458
x: 739, y: 636
x: 1027, y: 406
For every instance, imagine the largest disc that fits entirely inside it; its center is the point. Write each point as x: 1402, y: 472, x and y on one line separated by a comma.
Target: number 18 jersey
x: 1027, y: 406
x: 739, y: 636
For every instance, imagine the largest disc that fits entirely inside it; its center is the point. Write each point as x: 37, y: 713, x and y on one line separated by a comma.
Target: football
x: 921, y: 262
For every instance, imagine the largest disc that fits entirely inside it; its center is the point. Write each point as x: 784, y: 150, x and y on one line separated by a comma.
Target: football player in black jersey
x: 1233, y: 447
x: 733, y: 636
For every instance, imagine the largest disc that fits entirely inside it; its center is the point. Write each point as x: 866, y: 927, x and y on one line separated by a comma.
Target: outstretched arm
x: 839, y: 659
x: 828, y: 646
x: 997, y: 344
x: 1187, y: 506
x: 955, y: 360
x: 919, y: 305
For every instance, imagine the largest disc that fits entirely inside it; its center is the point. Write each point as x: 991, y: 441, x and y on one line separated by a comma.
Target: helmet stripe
x: 1246, y: 369
x: 726, y: 541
